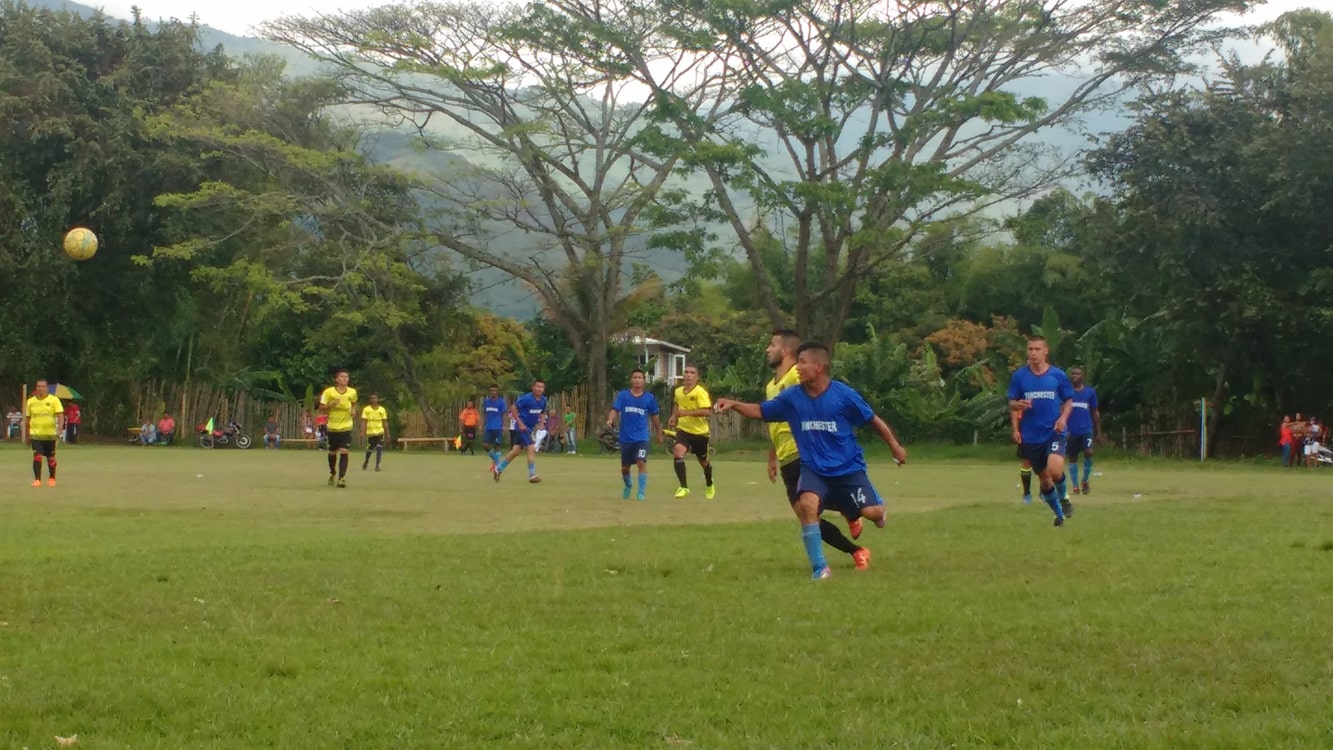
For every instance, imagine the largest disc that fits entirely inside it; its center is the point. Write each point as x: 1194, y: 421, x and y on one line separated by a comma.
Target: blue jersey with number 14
x: 1048, y: 392
x: 824, y: 427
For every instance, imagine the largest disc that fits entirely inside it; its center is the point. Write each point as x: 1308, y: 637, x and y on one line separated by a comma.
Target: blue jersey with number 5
x: 1048, y: 392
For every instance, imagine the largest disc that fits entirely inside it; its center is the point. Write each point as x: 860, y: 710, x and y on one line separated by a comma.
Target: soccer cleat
x: 682, y: 492
x: 51, y: 482
x: 854, y: 527
x: 377, y: 468
x: 1074, y: 489
x: 624, y: 495
x: 332, y: 480
x: 366, y: 466
x: 36, y: 483
x: 709, y: 492
x: 862, y: 558
x: 822, y: 573
x: 495, y: 472
x: 342, y: 483
x: 534, y: 479
x: 640, y: 497
x: 1066, y: 507
x: 1027, y: 499
x: 1085, y: 488
x: 1059, y: 522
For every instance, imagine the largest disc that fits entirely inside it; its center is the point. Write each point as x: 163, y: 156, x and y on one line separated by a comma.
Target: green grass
x: 226, y: 599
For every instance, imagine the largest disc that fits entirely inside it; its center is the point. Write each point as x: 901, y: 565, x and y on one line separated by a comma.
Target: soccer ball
x: 80, y: 243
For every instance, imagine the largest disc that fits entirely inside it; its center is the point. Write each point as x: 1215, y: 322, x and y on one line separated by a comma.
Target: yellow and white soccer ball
x: 80, y: 243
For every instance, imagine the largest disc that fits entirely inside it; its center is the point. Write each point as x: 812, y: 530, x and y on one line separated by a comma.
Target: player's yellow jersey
x: 780, y: 432
x: 42, y: 413
x: 340, y: 409
x: 374, y: 417
x: 697, y: 398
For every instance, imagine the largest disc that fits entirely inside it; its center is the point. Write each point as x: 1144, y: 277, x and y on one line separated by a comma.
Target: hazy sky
x: 241, y: 16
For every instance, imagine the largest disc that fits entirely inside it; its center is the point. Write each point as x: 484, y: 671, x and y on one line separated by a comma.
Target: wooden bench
x: 448, y: 442
x: 311, y: 442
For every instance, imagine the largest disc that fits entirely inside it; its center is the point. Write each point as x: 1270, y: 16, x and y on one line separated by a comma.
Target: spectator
x: 1299, y: 429
x: 468, y: 420
x: 147, y: 433
x: 570, y: 419
x: 14, y: 423
x: 1285, y: 440
x: 73, y: 418
x: 272, y: 439
x: 322, y: 431
x: 166, y: 429
x: 307, y: 425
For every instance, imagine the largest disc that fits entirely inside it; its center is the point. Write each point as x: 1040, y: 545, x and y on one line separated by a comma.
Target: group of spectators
x: 1301, y: 440
x: 161, y: 433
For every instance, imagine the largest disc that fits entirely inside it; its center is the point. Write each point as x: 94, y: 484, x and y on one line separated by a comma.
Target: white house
x: 660, y: 360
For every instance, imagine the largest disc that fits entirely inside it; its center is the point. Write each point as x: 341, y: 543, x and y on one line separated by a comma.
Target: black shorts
x: 1078, y: 444
x: 1039, y: 453
x: 44, y: 447
x: 470, y: 433
x: 340, y: 440
x: 696, y: 444
x: 791, y: 477
x: 374, y: 441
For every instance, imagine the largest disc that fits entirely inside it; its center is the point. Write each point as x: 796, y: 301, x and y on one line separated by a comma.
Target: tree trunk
x: 407, y: 370
x: 1215, y: 404
x: 596, y: 388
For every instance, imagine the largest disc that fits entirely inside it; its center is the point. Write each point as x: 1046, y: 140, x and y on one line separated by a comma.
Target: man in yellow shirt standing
x: 783, y: 457
x: 689, y: 417
x: 375, y: 430
x: 337, y: 402
x: 46, y: 420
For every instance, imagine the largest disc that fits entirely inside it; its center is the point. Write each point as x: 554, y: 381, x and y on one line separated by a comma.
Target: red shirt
x: 1284, y: 435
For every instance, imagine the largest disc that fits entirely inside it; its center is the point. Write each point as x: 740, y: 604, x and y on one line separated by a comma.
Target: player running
x: 785, y: 459
x: 1085, y: 425
x: 638, y: 412
x: 1040, y: 399
x: 46, y: 420
x: 823, y: 415
x: 374, y: 430
x: 527, y: 412
x: 689, y: 417
x: 337, y: 401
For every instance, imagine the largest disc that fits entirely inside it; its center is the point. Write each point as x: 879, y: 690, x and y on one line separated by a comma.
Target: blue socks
x: 1087, y: 468
x: 1073, y: 472
x: 814, y: 546
x: 532, y: 470
x: 1061, y: 488
x: 1053, y: 500
x: 643, y: 482
x: 502, y: 465
x: 626, y: 478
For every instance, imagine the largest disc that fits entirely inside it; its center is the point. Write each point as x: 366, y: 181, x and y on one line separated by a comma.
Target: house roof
x: 646, y: 341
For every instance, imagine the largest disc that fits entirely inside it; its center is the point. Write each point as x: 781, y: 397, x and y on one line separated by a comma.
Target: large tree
x: 557, y: 187
x: 849, y: 126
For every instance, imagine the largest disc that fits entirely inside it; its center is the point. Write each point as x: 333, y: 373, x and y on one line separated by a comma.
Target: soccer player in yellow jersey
x: 337, y: 401
x: 689, y: 417
x: 784, y: 459
x: 46, y: 420
x: 375, y: 430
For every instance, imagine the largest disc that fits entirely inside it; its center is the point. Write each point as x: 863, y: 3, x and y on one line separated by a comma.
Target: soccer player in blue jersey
x: 527, y: 411
x: 493, y: 436
x: 637, y: 410
x: 1085, y: 425
x: 824, y: 415
x: 1040, y: 399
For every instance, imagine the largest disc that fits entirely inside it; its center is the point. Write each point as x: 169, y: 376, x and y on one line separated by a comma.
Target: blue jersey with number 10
x: 823, y: 426
x: 634, y: 412
x: 1048, y: 392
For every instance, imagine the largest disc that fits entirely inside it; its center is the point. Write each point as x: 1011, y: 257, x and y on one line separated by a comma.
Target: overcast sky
x: 242, y: 16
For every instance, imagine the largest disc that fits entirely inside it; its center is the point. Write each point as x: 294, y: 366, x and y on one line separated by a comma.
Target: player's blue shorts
x: 1038, y: 454
x: 846, y: 494
x: 523, y: 438
x: 1078, y: 444
x: 493, y: 437
x: 632, y: 453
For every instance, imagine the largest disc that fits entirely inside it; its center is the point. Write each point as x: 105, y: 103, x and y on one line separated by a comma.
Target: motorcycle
x: 229, y: 434
x: 609, y: 439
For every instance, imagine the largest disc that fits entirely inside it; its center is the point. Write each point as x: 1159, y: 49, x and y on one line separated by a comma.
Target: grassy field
x: 169, y: 598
